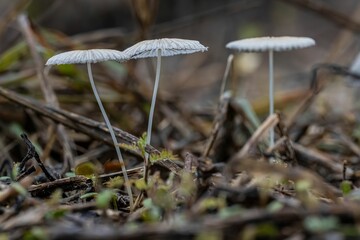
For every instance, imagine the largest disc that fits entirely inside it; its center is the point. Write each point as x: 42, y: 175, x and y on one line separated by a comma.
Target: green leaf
x: 303, y: 185
x: 317, y: 224
x: 129, y: 147
x: 5, y: 178
x: 115, y: 182
x: 209, y: 235
x: 152, y: 212
x: 16, y: 129
x: 275, y: 206
x: 230, y: 211
x: 212, y: 203
x: 187, y: 185
x: 15, y: 170
x: 88, y: 195
x: 141, y: 184
x: 164, y: 154
x: 267, y: 230
x: 12, y: 56
x: 70, y: 174
x: 148, y: 203
x: 20, y: 189
x: 36, y: 233
x: 346, y: 187
x: 4, y: 236
x: 249, y: 112
x: 55, y: 214
x: 104, y: 198
x: 356, y: 132
x: 55, y: 197
x: 142, y: 144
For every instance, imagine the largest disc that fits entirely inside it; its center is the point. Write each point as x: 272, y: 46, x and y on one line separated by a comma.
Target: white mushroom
x: 94, y: 56
x: 270, y: 44
x: 161, y: 48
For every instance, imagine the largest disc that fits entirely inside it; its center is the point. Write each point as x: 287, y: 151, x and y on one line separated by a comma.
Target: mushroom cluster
x: 169, y: 47
x: 89, y: 57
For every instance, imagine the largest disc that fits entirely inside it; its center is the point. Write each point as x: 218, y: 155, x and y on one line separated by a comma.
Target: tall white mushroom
x: 89, y: 57
x: 270, y: 44
x: 161, y: 48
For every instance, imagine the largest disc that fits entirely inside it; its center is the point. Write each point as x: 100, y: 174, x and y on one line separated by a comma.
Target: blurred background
x: 118, y: 24
x: 191, y: 81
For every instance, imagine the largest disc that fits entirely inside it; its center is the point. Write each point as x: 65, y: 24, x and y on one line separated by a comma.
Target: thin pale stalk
x: 112, y: 134
x: 271, y: 94
x: 226, y: 74
x: 153, y: 100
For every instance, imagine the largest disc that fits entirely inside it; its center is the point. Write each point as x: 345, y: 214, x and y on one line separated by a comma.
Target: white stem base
x: 153, y: 102
x: 271, y: 94
x: 112, y: 134
x: 226, y: 74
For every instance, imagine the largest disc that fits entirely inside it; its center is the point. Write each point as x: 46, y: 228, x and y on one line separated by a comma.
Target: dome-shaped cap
x: 168, y: 46
x: 262, y: 44
x: 87, y: 56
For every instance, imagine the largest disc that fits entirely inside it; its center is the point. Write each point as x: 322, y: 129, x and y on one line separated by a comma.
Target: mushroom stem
x: 226, y: 73
x: 153, y: 100
x: 112, y: 134
x: 271, y: 93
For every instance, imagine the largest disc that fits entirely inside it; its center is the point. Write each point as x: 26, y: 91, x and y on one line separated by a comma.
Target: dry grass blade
x: 47, y: 90
x: 85, y: 125
x: 295, y: 174
x: 66, y: 184
x: 11, y: 192
x: 18, y: 6
x: 312, y: 156
x: 270, y: 122
x: 218, y: 123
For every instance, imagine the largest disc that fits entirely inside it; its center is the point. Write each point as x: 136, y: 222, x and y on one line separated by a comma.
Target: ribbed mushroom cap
x: 168, y: 46
x: 278, y: 44
x: 87, y: 56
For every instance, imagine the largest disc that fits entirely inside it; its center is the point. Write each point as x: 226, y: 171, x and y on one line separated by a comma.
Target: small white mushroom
x: 168, y: 47
x: 87, y: 56
x: 270, y: 44
x: 161, y: 48
x: 94, y: 56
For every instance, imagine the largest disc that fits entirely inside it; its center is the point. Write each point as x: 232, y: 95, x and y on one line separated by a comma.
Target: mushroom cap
x: 87, y: 56
x: 277, y: 44
x: 168, y: 47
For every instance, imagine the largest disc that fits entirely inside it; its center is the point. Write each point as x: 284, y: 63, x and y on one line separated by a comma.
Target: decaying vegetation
x: 211, y: 174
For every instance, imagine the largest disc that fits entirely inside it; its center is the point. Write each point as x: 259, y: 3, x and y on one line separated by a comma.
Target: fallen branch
x: 85, y: 125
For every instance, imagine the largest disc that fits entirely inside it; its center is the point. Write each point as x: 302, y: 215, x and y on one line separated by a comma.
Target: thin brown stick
x: 217, y: 124
x: 347, y: 141
x: 11, y: 192
x: 317, y: 158
x: 270, y: 122
x: 85, y: 125
x: 47, y: 89
x: 11, y: 13
x: 66, y: 184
